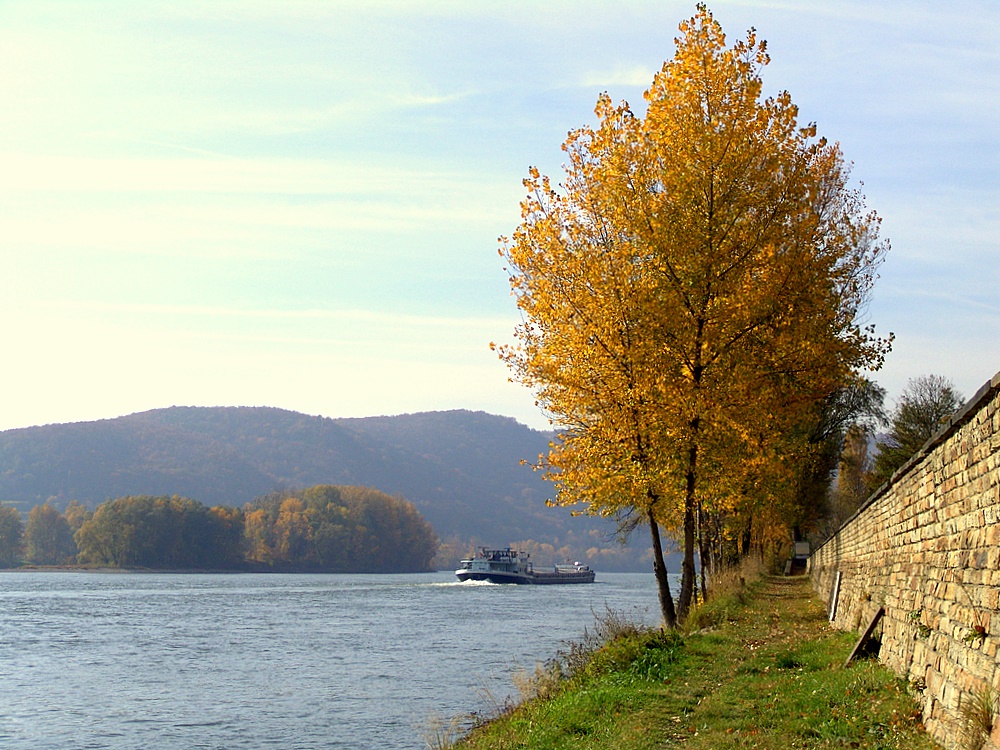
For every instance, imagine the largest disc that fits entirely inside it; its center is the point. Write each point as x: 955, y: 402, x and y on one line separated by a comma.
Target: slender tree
x: 924, y: 407
x: 11, y: 531
x: 851, y: 488
x: 690, y: 294
x: 76, y: 515
x: 48, y: 539
x: 292, y: 532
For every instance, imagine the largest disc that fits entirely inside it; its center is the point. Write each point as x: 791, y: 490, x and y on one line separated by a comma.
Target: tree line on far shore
x: 324, y: 529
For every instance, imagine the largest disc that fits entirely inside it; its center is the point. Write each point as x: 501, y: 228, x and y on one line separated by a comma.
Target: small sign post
x: 835, y: 596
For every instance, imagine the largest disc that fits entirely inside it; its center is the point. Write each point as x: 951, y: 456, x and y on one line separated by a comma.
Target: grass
x: 762, y: 670
x: 978, y: 714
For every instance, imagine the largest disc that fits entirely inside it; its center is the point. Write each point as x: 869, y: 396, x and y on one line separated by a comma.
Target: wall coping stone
x: 985, y: 393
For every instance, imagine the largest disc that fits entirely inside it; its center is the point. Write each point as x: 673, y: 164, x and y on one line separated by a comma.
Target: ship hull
x: 492, y: 577
x: 536, y: 579
x: 550, y: 578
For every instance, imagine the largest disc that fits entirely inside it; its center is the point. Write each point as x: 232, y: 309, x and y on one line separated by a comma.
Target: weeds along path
x: 764, y: 671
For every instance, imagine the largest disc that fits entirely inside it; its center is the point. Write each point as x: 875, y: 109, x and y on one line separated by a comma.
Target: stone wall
x: 925, y: 547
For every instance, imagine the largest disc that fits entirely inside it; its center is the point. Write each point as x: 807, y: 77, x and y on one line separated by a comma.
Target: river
x: 222, y: 662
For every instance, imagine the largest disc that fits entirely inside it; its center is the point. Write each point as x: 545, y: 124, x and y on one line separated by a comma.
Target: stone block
x: 993, y: 535
x: 935, y: 683
x: 994, y: 741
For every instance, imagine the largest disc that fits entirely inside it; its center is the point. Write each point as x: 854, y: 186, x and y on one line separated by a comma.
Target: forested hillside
x: 460, y: 469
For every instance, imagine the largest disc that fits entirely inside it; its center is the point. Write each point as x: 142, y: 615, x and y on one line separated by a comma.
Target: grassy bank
x: 764, y: 670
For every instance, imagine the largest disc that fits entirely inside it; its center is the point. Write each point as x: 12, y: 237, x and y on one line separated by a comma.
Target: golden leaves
x: 692, y: 287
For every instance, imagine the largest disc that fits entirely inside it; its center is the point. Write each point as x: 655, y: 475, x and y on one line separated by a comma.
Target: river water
x: 176, y: 662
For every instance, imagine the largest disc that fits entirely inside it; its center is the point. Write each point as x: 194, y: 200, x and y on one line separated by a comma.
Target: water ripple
x: 135, y: 661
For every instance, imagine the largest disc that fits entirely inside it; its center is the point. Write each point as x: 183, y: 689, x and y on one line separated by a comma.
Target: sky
x: 297, y: 204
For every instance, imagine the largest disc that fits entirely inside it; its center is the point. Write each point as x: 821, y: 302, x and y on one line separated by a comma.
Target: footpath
x: 764, y: 670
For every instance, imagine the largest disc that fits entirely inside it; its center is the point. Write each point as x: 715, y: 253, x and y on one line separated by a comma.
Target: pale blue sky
x: 297, y: 204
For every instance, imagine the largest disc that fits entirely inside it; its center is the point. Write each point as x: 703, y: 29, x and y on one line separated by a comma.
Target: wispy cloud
x: 21, y: 172
x: 355, y: 109
x: 634, y: 75
x: 385, y: 319
x: 218, y: 207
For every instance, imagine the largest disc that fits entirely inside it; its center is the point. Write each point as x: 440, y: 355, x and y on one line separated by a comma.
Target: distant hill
x: 461, y: 469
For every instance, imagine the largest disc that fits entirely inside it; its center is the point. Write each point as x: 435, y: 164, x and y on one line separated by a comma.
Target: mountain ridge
x: 462, y: 469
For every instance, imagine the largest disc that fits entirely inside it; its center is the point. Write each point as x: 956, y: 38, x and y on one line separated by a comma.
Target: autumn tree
x: 924, y: 407
x: 154, y: 532
x: 853, y: 410
x: 48, y: 539
x: 291, y: 531
x: 76, y: 515
x: 11, y: 530
x: 690, y: 294
x: 339, y: 529
x: 227, y: 524
x: 258, y: 532
x: 850, y: 489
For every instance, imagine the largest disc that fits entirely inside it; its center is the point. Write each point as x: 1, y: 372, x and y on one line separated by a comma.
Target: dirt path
x: 766, y: 673
x: 771, y: 676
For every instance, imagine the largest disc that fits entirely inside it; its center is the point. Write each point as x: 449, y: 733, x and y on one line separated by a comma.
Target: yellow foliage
x: 691, y: 291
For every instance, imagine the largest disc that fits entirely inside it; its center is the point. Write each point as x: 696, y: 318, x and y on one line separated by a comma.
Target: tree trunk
x: 705, y: 545
x: 747, y: 539
x: 687, y: 567
x: 660, y: 572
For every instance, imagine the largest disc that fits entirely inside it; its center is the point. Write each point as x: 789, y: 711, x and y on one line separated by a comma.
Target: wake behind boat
x: 510, y: 566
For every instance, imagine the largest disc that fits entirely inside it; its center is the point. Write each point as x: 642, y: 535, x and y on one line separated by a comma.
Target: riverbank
x: 765, y: 670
